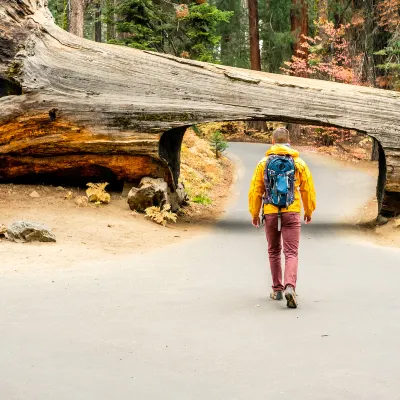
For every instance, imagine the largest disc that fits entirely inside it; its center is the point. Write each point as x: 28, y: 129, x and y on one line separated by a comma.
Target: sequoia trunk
x: 255, y: 58
x: 76, y: 17
x: 299, y: 26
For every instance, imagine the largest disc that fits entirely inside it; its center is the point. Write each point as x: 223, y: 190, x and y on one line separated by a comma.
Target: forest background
x: 351, y: 41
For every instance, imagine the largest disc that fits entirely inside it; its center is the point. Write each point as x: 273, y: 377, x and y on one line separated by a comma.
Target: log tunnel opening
x: 171, y: 142
x: 9, y: 88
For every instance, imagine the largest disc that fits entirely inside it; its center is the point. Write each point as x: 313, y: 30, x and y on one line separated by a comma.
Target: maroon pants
x: 290, y: 236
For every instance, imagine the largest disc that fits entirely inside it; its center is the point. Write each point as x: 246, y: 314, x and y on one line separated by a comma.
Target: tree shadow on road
x: 318, y: 227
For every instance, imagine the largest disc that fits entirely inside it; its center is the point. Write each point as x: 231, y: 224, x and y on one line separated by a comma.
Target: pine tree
x: 189, y: 31
x: 255, y: 58
x: 275, y: 34
x: 234, y: 47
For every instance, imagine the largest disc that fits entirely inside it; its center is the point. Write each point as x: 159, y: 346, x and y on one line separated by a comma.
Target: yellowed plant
x: 96, y: 193
x: 161, y: 216
x: 3, y: 229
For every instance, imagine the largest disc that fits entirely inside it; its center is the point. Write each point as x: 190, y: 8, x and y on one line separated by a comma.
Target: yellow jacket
x: 304, y: 185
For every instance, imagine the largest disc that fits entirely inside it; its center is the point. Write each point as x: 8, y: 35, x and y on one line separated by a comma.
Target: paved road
x: 193, y: 321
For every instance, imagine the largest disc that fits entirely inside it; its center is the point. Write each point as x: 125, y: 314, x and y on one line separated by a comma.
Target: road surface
x: 193, y: 321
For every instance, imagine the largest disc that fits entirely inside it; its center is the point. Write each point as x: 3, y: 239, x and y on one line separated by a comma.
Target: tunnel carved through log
x: 92, y: 101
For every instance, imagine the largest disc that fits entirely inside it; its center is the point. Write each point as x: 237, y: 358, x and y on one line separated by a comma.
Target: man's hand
x: 256, y: 222
x: 307, y: 219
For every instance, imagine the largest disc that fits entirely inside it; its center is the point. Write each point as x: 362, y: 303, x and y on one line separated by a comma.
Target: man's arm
x: 256, y: 192
x: 307, y: 191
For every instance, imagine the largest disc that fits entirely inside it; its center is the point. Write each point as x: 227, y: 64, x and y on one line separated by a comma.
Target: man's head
x: 280, y: 136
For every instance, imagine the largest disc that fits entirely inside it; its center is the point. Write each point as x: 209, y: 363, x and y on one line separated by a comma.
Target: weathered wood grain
x: 110, y: 100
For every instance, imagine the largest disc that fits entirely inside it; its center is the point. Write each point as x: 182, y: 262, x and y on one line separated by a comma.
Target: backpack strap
x: 279, y: 219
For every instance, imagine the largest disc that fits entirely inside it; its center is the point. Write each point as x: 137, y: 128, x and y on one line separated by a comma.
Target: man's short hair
x: 281, y: 135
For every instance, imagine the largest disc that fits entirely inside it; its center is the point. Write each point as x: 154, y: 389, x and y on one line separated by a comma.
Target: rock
x: 81, y: 201
x: 155, y: 192
x: 396, y: 223
x: 24, y: 231
x: 3, y: 230
x: 159, y: 182
x: 151, y: 192
x: 34, y: 194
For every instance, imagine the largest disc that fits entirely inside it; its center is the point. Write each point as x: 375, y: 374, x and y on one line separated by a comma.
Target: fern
x: 96, y: 193
x: 161, y: 215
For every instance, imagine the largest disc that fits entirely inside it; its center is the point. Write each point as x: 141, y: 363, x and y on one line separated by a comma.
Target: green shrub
x: 202, y: 199
x: 218, y: 143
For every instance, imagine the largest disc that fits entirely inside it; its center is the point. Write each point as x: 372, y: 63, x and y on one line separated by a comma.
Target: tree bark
x: 295, y: 132
x: 255, y: 58
x: 76, y: 17
x: 98, y: 23
x: 68, y: 103
x: 299, y: 26
x: 257, y: 126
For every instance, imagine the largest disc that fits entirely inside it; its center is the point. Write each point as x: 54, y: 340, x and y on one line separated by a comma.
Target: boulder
x: 151, y: 192
x: 155, y: 192
x: 24, y: 231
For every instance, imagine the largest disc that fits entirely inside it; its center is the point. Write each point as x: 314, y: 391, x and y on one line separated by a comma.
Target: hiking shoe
x: 290, y: 295
x: 276, y: 295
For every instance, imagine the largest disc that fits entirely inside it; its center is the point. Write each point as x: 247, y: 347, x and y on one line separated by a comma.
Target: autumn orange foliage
x: 325, y: 56
x: 389, y: 14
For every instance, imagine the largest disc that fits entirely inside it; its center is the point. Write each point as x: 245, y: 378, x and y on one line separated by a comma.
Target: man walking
x: 279, y: 181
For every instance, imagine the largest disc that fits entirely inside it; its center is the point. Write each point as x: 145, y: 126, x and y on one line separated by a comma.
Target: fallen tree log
x: 69, y: 104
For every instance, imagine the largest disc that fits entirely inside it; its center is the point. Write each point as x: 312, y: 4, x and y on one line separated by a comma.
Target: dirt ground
x: 94, y: 232
x: 384, y: 235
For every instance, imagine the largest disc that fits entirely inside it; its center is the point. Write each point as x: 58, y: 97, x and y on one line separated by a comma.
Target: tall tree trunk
x: 295, y: 132
x: 255, y: 58
x: 363, y: 40
x: 299, y: 26
x: 97, y: 23
x: 76, y: 17
x: 259, y: 126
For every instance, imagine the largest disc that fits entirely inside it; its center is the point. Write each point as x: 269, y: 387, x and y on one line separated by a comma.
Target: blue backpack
x: 279, y: 178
